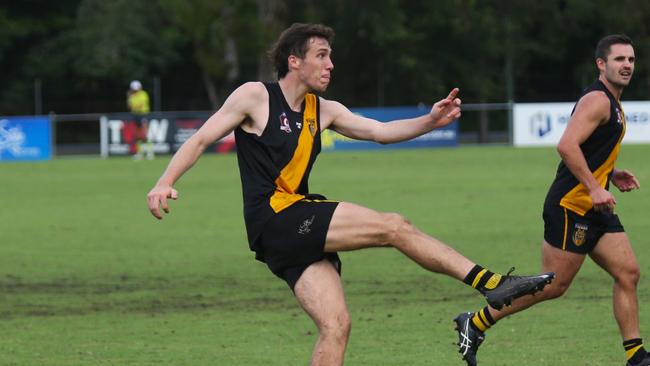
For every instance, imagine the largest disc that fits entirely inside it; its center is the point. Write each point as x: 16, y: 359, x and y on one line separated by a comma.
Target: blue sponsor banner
x: 442, y: 137
x: 25, y: 138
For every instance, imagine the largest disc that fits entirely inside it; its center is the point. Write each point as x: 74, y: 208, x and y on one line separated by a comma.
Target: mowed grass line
x: 88, y: 277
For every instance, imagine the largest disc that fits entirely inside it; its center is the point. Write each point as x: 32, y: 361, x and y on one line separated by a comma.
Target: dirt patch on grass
x: 69, y: 296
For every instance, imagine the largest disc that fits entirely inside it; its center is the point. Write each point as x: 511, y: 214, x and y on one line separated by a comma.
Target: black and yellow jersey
x: 600, y: 151
x: 275, y: 166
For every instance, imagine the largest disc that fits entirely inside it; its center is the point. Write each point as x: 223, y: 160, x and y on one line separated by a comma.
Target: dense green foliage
x: 81, y: 54
x: 88, y: 277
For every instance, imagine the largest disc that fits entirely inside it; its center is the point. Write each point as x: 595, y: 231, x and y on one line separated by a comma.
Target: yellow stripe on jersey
x: 566, y: 227
x: 292, y: 174
x: 578, y: 199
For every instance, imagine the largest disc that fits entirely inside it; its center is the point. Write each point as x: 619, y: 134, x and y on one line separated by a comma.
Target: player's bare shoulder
x: 252, y: 99
x: 594, y: 106
x: 329, y: 111
x: 249, y: 94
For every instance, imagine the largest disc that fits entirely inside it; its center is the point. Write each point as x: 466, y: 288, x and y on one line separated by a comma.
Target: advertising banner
x: 637, y: 116
x: 542, y: 124
x: 25, y: 138
x: 166, y: 131
x: 442, y: 137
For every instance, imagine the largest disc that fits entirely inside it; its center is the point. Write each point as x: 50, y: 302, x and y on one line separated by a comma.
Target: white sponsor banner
x: 167, y: 131
x: 117, y: 136
x: 542, y: 124
x: 637, y: 115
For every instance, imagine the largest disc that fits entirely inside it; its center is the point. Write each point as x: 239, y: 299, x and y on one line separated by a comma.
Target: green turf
x: 88, y: 277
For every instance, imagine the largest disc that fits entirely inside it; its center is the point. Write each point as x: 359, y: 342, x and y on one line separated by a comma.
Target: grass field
x: 88, y: 277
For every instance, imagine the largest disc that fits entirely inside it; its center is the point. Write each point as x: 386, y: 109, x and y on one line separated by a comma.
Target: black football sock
x: 634, y: 350
x: 482, y: 320
x: 482, y: 279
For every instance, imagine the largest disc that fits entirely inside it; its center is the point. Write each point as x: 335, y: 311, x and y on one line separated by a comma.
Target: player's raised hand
x: 447, y: 110
x: 624, y: 180
x: 157, y: 199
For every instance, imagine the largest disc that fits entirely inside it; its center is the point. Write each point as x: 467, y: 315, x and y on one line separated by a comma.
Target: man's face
x: 619, y: 66
x: 315, y: 68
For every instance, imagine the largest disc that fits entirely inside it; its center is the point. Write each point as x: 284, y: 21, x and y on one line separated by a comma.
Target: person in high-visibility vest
x: 138, y: 104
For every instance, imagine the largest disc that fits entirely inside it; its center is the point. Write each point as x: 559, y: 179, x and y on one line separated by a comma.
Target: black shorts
x: 294, y: 238
x: 566, y: 230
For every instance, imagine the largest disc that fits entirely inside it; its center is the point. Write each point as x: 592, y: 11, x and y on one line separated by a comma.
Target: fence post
x: 157, y: 96
x: 483, y: 129
x: 38, y: 97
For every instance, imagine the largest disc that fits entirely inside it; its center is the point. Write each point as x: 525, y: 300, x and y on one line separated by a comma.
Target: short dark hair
x: 603, y: 47
x: 293, y: 41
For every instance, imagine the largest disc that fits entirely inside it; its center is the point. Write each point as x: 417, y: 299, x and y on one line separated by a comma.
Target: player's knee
x: 556, y: 289
x: 634, y: 275
x: 396, y: 227
x: 629, y: 277
x: 337, y: 327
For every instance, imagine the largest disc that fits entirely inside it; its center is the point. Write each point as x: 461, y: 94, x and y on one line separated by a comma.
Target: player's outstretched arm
x: 336, y: 116
x: 234, y: 111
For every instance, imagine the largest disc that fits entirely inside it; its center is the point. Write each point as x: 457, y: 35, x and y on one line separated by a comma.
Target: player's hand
x: 447, y: 110
x: 624, y: 180
x: 603, y: 200
x: 157, y: 198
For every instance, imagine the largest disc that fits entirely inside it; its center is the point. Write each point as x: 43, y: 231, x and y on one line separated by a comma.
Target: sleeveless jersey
x: 600, y: 151
x: 275, y: 166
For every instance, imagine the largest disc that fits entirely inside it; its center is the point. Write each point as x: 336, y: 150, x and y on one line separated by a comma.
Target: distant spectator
x: 137, y: 98
x: 138, y: 104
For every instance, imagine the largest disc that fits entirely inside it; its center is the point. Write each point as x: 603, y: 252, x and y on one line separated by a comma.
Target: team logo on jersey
x: 579, y: 234
x: 619, y: 116
x: 312, y: 126
x: 284, y: 123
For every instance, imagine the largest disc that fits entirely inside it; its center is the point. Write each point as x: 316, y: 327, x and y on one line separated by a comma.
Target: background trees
x: 79, y: 55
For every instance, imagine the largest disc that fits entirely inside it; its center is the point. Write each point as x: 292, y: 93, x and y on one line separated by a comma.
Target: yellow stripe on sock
x: 630, y: 352
x: 476, y: 320
x: 478, y: 278
x: 484, y: 318
x: 493, y: 282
